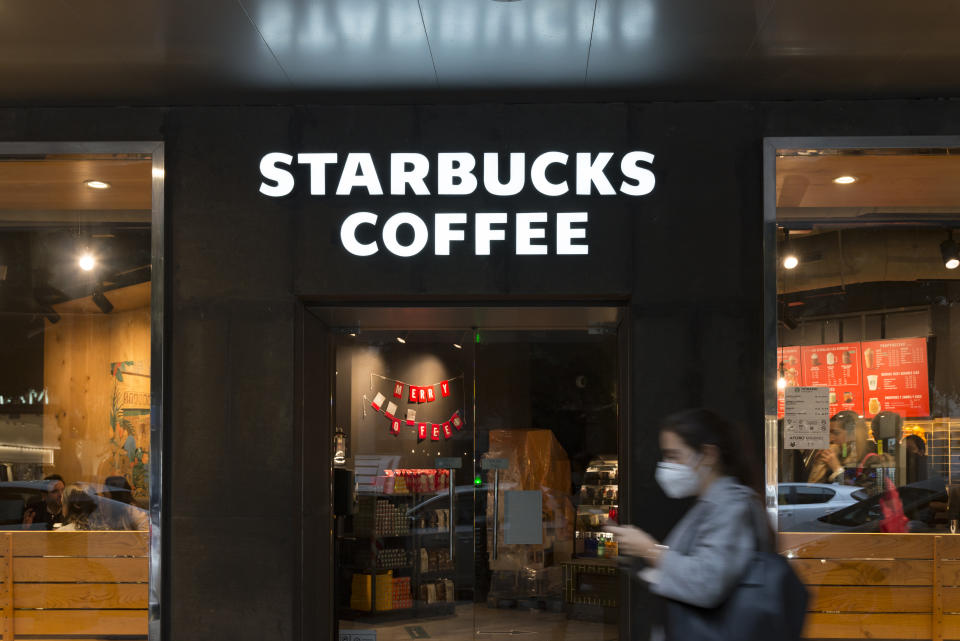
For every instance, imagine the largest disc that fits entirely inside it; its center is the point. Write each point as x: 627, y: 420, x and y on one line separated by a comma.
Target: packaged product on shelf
x: 449, y: 590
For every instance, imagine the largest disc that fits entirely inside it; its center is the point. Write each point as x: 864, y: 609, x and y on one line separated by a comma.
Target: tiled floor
x: 480, y: 623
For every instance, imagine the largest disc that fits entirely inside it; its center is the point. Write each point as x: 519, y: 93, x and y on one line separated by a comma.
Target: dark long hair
x: 699, y: 427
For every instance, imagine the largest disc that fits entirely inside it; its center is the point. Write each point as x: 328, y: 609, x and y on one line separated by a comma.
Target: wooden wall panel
x: 84, y: 544
x: 78, y: 352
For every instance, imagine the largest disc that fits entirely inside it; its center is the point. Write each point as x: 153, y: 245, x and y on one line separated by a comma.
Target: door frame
x: 314, y: 421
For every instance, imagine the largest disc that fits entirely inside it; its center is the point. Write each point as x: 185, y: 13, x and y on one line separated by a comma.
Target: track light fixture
x: 790, y: 258
x: 101, y: 301
x: 950, y: 252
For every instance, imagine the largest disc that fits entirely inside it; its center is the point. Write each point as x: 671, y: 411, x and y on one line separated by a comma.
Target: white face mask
x: 678, y: 480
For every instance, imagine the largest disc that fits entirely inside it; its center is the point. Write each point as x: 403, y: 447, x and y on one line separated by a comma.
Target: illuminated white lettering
x: 631, y: 169
x: 538, y: 173
x: 318, y: 170
x: 484, y: 233
x: 592, y: 173
x: 566, y: 233
x: 358, y: 171
x: 491, y: 174
x: 443, y: 234
x: 420, y: 234
x: 526, y: 233
x: 348, y: 234
x: 401, y: 176
x: 455, y: 174
x: 270, y: 171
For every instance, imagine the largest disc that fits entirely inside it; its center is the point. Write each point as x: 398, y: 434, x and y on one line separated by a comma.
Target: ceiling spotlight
x: 87, y: 262
x: 401, y: 340
x: 101, y: 301
x: 950, y: 253
x: 96, y: 184
x: 352, y: 334
x: 845, y: 180
x: 458, y: 345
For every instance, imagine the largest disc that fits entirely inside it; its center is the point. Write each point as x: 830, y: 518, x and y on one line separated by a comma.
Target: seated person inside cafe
x: 85, y: 510
x: 852, y: 457
x: 45, y: 513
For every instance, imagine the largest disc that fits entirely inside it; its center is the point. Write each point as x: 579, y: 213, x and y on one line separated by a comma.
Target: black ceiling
x: 263, y: 51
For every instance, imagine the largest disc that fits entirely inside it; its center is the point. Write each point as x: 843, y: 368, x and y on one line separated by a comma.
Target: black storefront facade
x: 246, y: 534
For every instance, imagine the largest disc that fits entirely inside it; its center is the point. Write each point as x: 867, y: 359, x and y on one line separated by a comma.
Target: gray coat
x: 710, y: 547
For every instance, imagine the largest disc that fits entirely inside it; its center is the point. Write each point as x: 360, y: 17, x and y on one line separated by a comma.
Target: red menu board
x: 895, y: 377
x: 788, y: 368
x: 837, y: 367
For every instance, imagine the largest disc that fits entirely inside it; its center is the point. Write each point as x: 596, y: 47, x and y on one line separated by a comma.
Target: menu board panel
x: 895, y: 377
x: 837, y: 367
x: 788, y: 368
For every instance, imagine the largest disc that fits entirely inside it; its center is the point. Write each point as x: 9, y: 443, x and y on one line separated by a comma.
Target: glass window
x: 867, y: 347
x: 75, y: 392
x: 809, y: 495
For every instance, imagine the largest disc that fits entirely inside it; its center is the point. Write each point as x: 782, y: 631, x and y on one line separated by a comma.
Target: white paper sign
x: 806, y: 418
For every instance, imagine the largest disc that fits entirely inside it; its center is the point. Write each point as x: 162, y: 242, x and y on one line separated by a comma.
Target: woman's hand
x: 830, y: 460
x: 635, y: 542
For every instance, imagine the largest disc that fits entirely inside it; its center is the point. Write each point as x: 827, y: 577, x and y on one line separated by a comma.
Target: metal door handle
x: 496, y: 512
x: 451, y: 520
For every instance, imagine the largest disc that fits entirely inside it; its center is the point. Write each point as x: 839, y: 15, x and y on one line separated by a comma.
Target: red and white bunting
x: 411, y: 416
x: 422, y: 431
x: 447, y: 430
x: 456, y: 421
x: 378, y: 400
x: 434, y: 432
x: 445, y: 389
x: 395, y: 426
x: 421, y: 394
x: 398, y: 390
x: 413, y: 394
x: 430, y: 395
x: 391, y: 410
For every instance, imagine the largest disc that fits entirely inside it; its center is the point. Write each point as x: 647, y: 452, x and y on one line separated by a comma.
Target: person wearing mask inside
x: 48, y: 511
x: 708, y: 551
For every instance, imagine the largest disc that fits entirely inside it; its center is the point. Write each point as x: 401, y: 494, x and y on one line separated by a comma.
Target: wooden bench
x: 64, y: 584
x: 878, y: 586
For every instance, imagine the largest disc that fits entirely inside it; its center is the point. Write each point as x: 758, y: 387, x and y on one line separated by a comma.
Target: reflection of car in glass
x: 920, y: 505
x: 464, y: 522
x: 801, y: 502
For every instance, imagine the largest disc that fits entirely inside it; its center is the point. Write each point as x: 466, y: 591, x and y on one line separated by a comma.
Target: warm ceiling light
x: 845, y: 180
x: 401, y: 340
x: 458, y: 345
x: 781, y: 383
x: 87, y: 261
x: 790, y: 261
x: 96, y: 184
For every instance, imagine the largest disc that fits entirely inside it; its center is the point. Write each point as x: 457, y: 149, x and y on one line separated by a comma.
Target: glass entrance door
x: 473, y: 471
x: 547, y: 459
